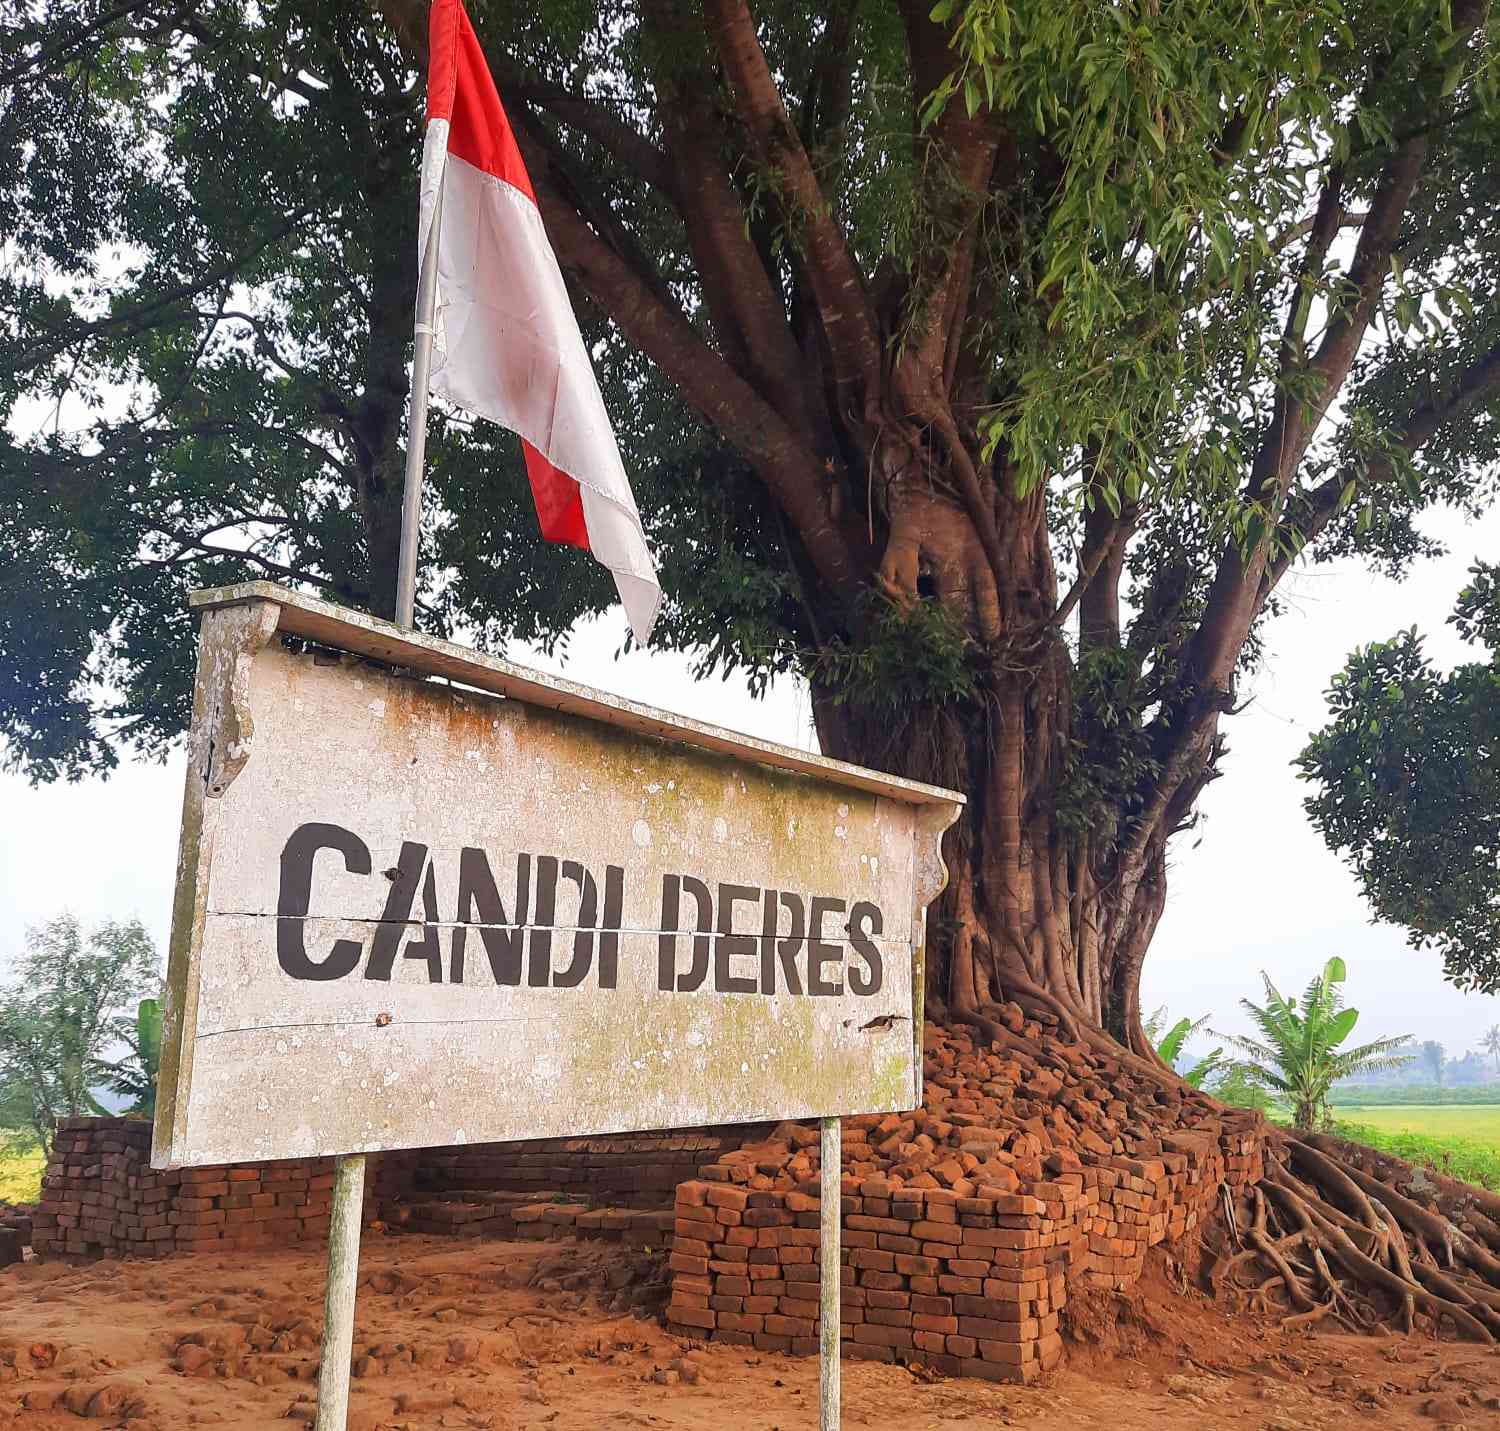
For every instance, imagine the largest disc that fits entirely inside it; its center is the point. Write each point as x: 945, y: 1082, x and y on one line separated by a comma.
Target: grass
x: 1461, y: 1141
x: 20, y: 1175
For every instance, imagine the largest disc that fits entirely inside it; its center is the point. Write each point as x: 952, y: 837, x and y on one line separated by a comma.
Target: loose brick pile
x: 101, y: 1196
x: 1029, y: 1170
x: 964, y: 1223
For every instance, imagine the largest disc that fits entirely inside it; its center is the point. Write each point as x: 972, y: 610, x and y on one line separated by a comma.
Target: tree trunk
x: 1028, y: 915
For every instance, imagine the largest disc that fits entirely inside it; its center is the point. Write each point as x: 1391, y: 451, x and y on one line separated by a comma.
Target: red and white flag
x: 505, y: 342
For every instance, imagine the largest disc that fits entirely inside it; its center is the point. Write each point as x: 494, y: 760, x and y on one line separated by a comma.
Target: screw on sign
x: 604, y: 918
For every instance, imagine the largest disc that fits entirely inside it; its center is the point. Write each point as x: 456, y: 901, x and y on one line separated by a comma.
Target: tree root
x: 1327, y: 1239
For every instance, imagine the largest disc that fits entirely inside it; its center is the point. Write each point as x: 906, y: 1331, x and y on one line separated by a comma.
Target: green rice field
x: 20, y: 1175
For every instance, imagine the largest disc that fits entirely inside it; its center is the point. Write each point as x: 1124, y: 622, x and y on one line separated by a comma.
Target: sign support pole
x: 349, y: 1170
x: 339, y: 1292
x: 830, y: 1274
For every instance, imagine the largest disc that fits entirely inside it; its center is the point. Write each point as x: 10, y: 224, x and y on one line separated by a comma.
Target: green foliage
x: 1298, y: 1054
x: 1108, y: 758
x: 1409, y: 789
x: 1170, y: 1044
x: 1240, y: 1088
x: 1178, y: 137
x: 1434, y: 1057
x: 61, y: 1012
x: 908, y: 654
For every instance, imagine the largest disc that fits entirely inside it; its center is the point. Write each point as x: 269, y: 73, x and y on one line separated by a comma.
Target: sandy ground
x: 520, y: 1335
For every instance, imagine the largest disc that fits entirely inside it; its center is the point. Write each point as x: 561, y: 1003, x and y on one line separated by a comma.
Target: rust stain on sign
x: 410, y: 913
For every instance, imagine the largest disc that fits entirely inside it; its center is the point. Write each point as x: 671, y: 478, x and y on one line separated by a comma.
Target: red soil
x: 563, y: 1335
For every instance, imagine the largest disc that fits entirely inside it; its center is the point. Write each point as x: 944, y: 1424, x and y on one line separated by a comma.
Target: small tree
x: 62, y: 1010
x: 1434, y: 1058
x: 1240, y: 1087
x: 1298, y: 1054
x: 1407, y: 787
x: 1491, y: 1044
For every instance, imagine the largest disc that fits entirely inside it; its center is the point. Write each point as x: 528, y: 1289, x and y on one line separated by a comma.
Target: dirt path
x: 518, y: 1335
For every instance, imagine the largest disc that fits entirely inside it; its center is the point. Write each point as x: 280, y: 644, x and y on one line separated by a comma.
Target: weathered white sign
x: 410, y: 913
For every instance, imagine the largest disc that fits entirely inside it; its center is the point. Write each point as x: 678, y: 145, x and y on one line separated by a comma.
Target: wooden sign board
x: 426, y: 897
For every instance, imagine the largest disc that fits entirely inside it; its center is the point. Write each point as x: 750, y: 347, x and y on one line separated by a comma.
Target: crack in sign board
x: 413, y: 914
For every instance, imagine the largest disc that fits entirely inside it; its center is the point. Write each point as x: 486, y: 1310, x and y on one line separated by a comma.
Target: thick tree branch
x: 1234, y: 598
x: 830, y: 95
x: 847, y: 318
x: 595, y: 208
x: 745, y: 303
x: 1367, y: 274
x: 1101, y: 562
x: 592, y: 117
x: 707, y: 383
x: 960, y: 159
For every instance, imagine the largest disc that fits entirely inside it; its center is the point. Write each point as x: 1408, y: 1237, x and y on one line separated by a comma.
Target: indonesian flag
x: 505, y: 342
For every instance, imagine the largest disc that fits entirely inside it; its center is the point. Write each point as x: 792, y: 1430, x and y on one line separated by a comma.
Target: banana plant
x: 1299, y: 1053
x: 1169, y: 1047
x: 135, y: 1077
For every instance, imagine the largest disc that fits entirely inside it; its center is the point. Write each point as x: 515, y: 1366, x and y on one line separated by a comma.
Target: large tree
x: 987, y: 363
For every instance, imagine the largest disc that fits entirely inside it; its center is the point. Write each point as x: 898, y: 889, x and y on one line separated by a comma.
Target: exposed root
x: 1308, y: 1318
x: 1326, y: 1238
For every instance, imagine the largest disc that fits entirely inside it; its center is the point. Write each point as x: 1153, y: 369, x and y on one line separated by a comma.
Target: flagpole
x: 416, y: 432
x: 349, y: 1171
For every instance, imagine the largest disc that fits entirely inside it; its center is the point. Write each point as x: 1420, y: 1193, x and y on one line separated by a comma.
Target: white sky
x: 1259, y: 892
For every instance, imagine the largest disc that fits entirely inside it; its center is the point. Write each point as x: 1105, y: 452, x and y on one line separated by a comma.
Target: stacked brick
x: 615, y: 1170
x: 15, y: 1233
x: 1029, y: 1169
x: 972, y: 1286
x: 522, y: 1216
x: 100, y: 1196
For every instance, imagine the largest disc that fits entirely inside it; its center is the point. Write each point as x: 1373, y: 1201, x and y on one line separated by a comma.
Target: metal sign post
x: 339, y: 1291
x: 830, y: 1274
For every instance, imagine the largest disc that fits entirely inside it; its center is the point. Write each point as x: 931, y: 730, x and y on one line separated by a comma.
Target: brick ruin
x: 970, y: 1285
x: 966, y: 1224
x: 101, y: 1197
x: 1034, y: 1167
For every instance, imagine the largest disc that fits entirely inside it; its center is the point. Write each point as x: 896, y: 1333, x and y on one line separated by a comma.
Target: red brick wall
x: 101, y: 1196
